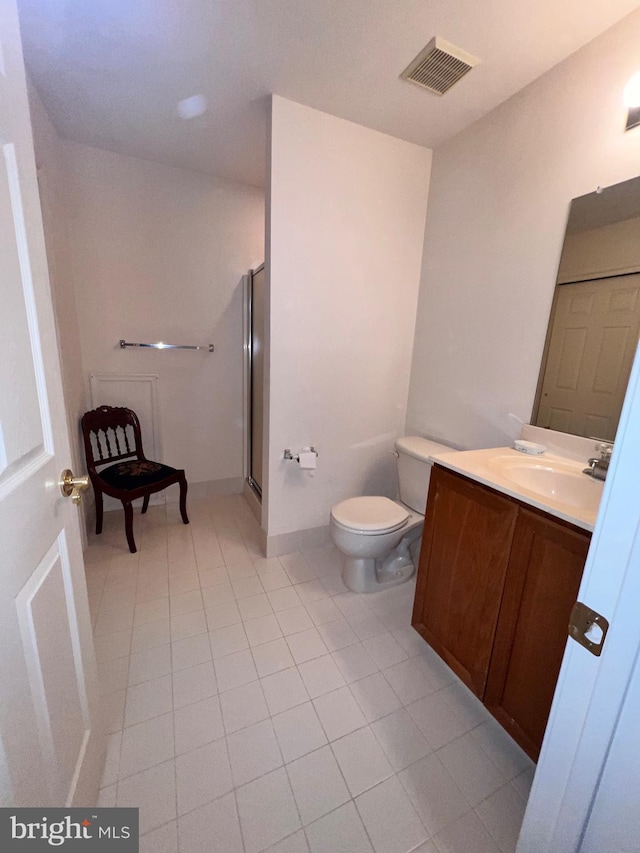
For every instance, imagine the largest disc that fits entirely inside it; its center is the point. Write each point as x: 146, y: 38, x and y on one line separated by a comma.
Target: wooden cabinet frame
x: 496, y: 583
x: 545, y: 569
x: 463, y: 565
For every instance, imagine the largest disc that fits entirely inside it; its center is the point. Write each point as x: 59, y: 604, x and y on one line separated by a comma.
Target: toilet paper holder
x: 289, y: 455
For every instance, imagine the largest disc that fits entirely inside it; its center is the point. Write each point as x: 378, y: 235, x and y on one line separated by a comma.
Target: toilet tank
x: 414, y: 469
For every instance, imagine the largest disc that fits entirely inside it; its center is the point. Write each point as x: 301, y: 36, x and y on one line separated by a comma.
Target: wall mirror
x: 595, y: 316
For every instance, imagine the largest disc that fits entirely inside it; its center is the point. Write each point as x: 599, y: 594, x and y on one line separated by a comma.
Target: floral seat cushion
x: 135, y: 473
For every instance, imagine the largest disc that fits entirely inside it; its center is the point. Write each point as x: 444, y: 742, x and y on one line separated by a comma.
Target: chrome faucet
x: 599, y: 465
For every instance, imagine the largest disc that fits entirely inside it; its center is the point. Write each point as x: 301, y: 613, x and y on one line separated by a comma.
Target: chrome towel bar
x: 162, y: 345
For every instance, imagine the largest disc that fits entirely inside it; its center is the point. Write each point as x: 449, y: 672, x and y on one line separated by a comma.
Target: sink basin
x: 560, y: 481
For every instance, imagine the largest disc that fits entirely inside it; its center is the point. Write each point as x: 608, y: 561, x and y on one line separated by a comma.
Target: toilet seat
x: 370, y: 515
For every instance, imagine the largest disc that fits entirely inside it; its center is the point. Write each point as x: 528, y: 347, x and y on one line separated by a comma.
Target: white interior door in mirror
x: 591, y: 350
x: 50, y: 747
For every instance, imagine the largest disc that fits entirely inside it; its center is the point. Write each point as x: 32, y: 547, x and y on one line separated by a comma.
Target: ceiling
x: 111, y: 72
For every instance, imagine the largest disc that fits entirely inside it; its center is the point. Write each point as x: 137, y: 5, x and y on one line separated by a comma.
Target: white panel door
x: 50, y: 751
x: 585, y: 791
x: 614, y: 821
x: 594, y: 339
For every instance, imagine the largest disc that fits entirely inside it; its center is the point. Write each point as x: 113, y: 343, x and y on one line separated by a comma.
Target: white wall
x: 158, y: 253
x: 498, y: 205
x: 346, y: 211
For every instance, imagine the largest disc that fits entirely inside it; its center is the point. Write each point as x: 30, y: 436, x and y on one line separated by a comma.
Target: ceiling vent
x: 439, y: 66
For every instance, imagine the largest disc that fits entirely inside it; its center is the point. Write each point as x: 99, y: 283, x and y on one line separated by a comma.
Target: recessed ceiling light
x: 192, y: 107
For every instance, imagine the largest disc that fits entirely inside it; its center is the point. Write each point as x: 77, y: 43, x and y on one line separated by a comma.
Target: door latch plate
x: 588, y: 628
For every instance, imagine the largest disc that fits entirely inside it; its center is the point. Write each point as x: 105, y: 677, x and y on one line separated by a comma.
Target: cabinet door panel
x: 545, y: 569
x: 463, y: 563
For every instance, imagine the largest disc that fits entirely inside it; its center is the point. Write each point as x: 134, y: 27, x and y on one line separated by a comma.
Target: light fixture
x: 191, y: 107
x: 631, y: 98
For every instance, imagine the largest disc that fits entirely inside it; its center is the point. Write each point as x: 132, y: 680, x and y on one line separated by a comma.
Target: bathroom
x: 429, y: 314
x: 444, y: 350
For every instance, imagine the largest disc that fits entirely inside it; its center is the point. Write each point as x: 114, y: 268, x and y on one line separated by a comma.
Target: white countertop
x: 488, y: 467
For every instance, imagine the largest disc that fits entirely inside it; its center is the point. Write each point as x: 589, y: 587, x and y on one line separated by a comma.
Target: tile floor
x: 258, y: 705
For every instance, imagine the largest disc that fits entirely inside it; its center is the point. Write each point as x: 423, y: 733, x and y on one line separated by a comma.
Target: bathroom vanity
x: 499, y: 572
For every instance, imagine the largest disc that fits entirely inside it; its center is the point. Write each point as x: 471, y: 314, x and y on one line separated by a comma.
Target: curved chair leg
x: 183, y: 500
x: 99, y: 510
x: 145, y: 503
x: 128, y: 526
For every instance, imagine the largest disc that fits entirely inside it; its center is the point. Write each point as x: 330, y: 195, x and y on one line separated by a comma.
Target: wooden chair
x: 112, y: 438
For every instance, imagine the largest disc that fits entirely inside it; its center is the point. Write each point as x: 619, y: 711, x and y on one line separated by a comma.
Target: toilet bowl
x: 375, y: 534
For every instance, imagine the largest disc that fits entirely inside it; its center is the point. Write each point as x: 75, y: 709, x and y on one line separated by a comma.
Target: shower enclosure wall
x: 255, y: 378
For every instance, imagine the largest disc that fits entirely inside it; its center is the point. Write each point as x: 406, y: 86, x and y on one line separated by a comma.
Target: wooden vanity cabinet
x: 496, y: 583
x: 545, y: 569
x: 463, y: 563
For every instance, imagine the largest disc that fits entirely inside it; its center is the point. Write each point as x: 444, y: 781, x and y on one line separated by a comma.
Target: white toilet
x: 374, y: 534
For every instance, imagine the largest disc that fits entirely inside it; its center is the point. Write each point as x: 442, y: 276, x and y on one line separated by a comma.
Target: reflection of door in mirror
x: 595, y: 318
x: 591, y: 348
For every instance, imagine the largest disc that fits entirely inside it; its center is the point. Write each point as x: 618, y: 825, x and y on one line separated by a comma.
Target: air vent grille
x: 439, y: 66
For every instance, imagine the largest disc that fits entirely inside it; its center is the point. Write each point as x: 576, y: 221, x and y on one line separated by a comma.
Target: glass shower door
x: 256, y: 377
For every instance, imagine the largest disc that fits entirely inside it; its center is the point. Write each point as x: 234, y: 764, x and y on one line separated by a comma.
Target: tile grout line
x: 347, y: 614
x: 173, y: 716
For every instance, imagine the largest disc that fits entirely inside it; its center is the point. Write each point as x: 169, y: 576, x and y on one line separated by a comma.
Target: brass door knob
x: 73, y: 487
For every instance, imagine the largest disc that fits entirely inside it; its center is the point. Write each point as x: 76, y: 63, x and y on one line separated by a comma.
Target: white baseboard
x: 208, y: 489
x: 286, y: 543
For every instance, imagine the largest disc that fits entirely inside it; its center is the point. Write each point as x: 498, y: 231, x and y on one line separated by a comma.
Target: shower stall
x: 255, y: 315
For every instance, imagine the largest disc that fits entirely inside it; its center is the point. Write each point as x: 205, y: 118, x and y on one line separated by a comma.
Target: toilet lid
x: 370, y: 514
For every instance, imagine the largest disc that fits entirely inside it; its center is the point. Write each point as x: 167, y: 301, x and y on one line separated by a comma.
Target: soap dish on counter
x: 530, y: 447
